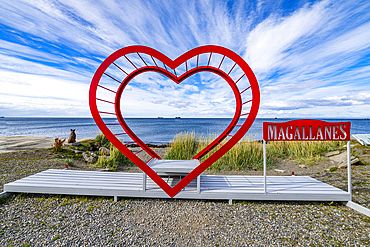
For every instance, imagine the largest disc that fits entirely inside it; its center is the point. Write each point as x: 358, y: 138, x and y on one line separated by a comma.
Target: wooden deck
x: 224, y: 187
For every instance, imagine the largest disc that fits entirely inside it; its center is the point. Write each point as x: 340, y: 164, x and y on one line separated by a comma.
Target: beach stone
x: 76, y: 144
x: 77, y: 151
x: 90, y: 158
x: 302, y: 166
x: 104, y: 151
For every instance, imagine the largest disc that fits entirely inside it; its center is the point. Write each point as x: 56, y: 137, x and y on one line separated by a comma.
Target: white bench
x: 173, y: 168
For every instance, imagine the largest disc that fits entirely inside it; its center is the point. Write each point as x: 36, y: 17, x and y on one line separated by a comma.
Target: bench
x: 173, y: 168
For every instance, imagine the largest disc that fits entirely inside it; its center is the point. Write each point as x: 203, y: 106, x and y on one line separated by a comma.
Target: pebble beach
x: 55, y: 220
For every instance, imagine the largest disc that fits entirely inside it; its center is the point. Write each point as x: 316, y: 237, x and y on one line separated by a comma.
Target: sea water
x: 150, y: 130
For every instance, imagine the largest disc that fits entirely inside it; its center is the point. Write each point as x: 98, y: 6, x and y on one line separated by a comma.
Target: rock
x: 277, y: 170
x: 76, y: 144
x: 326, y: 173
x: 77, y: 151
x: 104, y: 170
x: 302, y: 166
x: 104, y: 151
x: 331, y: 153
x: 90, y: 158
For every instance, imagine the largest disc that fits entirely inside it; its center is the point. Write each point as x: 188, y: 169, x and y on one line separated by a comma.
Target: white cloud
x: 312, y: 58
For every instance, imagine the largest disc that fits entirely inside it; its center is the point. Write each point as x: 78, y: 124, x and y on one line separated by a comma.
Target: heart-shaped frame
x: 173, y: 64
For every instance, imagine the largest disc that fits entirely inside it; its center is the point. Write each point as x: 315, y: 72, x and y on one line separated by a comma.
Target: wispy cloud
x: 311, y: 59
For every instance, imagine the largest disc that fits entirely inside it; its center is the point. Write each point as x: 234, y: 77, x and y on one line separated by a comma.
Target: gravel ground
x: 46, y: 220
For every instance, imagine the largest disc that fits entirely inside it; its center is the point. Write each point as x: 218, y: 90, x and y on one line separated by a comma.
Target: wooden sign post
x: 308, y: 130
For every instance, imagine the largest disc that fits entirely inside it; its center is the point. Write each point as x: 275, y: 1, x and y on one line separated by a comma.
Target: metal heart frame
x: 173, y: 64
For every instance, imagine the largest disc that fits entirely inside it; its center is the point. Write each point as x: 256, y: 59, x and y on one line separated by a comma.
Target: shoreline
x: 21, y: 143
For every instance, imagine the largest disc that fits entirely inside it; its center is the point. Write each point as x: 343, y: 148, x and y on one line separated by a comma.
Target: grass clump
x: 183, y: 147
x: 113, y: 161
x: 248, y: 154
x: 303, y: 151
x: 102, y: 140
x: 245, y: 155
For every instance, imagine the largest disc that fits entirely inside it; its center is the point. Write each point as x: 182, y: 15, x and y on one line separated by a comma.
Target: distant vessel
x: 160, y: 117
x: 177, y: 117
x: 2, y: 117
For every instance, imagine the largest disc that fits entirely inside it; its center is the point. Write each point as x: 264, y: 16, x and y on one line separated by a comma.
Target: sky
x: 311, y: 58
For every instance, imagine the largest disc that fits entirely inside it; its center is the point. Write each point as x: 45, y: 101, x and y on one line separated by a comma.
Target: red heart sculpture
x: 173, y: 64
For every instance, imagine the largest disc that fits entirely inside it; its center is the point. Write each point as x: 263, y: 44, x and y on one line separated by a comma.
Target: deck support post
x: 349, y: 169
x: 198, y: 184
x: 144, y: 181
x: 230, y: 201
x: 264, y: 166
x: 115, y: 198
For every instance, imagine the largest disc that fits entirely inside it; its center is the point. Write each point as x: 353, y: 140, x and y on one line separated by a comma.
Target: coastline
x: 20, y: 143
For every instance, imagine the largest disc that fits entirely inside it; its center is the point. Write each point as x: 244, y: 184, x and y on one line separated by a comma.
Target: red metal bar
x: 229, y: 135
x: 165, y: 67
x: 221, y: 62
x: 142, y: 59
x: 231, y: 69
x: 149, y: 160
x: 197, y: 60
x: 174, y: 70
x: 246, y: 102
x: 219, y: 143
x: 240, y: 78
x: 154, y: 61
x: 186, y: 64
x: 130, y: 62
x: 245, y: 89
x: 107, y: 89
x: 244, y: 114
x: 209, y: 60
x: 107, y: 112
x: 120, y: 134
x: 112, y: 78
x: 105, y: 101
x: 120, y: 68
x: 139, y: 151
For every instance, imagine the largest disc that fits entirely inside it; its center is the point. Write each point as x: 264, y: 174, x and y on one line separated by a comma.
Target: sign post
x: 308, y: 130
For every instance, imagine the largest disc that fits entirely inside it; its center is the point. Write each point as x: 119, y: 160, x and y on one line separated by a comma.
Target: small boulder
x: 90, y: 158
x: 104, y: 151
x: 302, y: 166
x: 76, y: 144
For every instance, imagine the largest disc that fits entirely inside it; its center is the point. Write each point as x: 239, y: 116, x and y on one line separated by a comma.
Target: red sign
x: 306, y: 130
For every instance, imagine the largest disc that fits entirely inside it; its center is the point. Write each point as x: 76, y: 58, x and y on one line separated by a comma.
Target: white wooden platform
x: 225, y: 187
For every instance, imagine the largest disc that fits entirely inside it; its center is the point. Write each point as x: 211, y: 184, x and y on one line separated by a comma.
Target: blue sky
x: 311, y: 58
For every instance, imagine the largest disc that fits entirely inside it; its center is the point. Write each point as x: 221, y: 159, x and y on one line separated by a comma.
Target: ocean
x: 150, y: 130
